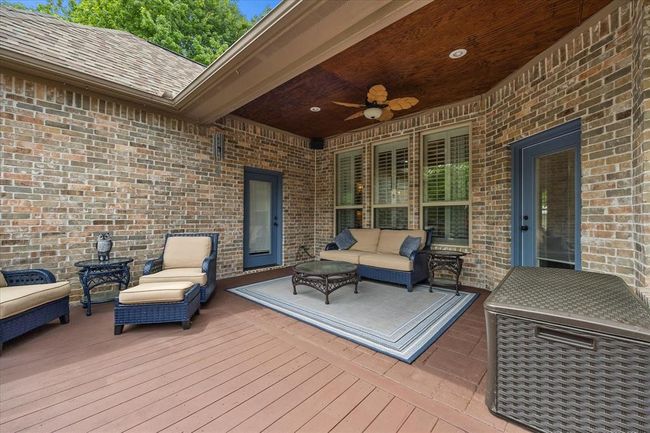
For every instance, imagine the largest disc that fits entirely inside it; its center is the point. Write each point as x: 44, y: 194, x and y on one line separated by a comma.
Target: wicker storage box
x: 568, y: 352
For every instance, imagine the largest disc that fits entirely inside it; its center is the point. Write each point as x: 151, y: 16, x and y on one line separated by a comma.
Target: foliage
x: 197, y: 29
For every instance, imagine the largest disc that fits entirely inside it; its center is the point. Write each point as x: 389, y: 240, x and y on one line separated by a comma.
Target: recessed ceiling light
x: 314, y: 109
x: 457, y: 54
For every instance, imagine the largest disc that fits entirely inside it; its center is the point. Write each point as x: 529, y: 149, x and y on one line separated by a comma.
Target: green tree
x: 197, y: 29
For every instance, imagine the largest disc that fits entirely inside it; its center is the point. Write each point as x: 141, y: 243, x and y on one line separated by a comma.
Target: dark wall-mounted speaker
x: 316, y: 143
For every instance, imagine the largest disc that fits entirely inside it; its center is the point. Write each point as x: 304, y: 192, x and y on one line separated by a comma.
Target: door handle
x: 275, y: 224
x: 524, y: 228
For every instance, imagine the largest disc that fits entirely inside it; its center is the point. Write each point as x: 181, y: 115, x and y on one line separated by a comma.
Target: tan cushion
x: 186, y: 251
x: 194, y: 275
x: 3, y: 282
x: 386, y: 261
x: 155, y: 292
x: 391, y: 240
x: 366, y: 239
x: 17, y: 299
x: 342, y: 255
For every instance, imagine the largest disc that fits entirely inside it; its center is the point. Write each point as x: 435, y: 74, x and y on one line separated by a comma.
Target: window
x: 445, y: 178
x: 349, y: 190
x: 391, y: 186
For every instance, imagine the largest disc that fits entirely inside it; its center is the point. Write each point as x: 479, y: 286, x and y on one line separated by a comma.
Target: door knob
x: 524, y: 228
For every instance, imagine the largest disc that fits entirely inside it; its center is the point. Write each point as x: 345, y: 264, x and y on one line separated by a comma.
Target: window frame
x: 395, y: 142
x: 468, y: 202
x: 360, y: 150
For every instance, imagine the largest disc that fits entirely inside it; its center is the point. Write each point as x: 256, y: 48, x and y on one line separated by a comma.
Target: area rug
x: 383, y: 317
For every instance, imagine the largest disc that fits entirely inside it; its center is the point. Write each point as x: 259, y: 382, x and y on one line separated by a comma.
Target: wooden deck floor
x: 240, y: 368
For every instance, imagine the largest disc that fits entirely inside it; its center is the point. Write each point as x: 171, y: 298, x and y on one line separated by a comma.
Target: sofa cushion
x: 18, y: 299
x: 149, y: 293
x: 3, y: 282
x: 366, y: 240
x: 186, y: 251
x: 342, y: 255
x: 387, y: 261
x: 194, y: 275
x: 390, y: 241
x: 344, y: 240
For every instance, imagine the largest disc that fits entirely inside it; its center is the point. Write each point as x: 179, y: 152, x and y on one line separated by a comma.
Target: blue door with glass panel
x: 262, y: 218
x: 546, y: 199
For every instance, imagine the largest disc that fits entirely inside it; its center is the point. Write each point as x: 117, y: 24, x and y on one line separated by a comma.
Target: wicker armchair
x: 186, y: 257
x: 31, y: 298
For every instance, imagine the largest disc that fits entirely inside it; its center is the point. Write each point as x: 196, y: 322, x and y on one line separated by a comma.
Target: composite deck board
x: 261, y: 419
x: 141, y: 410
x: 365, y: 412
x: 240, y: 368
x: 391, y: 418
x: 261, y: 400
x: 295, y: 418
x: 219, y: 404
x: 126, y: 376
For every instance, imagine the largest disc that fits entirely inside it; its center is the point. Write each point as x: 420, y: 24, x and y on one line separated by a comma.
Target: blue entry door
x: 262, y: 218
x: 546, y: 199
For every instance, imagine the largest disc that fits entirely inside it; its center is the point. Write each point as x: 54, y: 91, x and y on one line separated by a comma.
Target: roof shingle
x: 112, y: 55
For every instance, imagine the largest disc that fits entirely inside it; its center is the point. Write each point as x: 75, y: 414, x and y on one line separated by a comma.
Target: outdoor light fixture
x: 457, y: 54
x: 219, y: 144
x: 372, y: 112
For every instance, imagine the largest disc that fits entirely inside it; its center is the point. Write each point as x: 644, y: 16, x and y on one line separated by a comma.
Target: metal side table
x: 94, y: 273
x: 448, y: 260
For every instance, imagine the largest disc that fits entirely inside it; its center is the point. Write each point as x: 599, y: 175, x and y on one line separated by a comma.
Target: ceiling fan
x: 377, y: 106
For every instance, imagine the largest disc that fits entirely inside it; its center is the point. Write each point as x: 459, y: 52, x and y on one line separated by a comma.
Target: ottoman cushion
x: 150, y: 293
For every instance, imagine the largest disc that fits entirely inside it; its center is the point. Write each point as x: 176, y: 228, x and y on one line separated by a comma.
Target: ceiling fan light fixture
x: 457, y: 54
x: 372, y: 113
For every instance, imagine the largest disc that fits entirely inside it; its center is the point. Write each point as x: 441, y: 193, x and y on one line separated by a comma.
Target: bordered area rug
x: 383, y: 317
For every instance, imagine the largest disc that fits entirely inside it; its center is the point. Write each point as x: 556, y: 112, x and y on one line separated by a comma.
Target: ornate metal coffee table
x: 325, y: 276
x: 94, y: 273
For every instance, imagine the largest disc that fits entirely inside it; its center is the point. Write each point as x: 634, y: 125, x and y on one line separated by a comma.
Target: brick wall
x: 587, y: 75
x: 641, y: 143
x: 74, y: 164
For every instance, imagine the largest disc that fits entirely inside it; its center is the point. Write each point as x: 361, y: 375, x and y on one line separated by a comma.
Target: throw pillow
x: 410, y: 245
x: 344, y: 240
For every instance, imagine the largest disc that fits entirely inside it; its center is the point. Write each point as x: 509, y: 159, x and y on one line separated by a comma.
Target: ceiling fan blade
x: 355, y: 115
x: 377, y: 94
x: 402, y: 103
x: 387, y: 114
x: 348, y: 104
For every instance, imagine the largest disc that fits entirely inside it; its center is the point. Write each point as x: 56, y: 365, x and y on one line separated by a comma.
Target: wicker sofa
x: 376, y: 253
x: 188, y: 257
x: 29, y: 299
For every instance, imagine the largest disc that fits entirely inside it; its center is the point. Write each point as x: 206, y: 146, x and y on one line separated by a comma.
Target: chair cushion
x: 18, y: 299
x: 387, y: 261
x: 409, y: 246
x: 186, y: 251
x: 3, y: 282
x: 366, y: 240
x: 150, y: 293
x: 342, y: 256
x: 390, y: 241
x: 344, y: 240
x: 194, y: 275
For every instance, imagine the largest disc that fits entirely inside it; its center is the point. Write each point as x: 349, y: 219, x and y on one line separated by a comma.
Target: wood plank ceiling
x: 411, y: 58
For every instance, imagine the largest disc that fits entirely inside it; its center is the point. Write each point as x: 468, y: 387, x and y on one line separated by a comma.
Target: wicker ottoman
x: 157, y: 303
